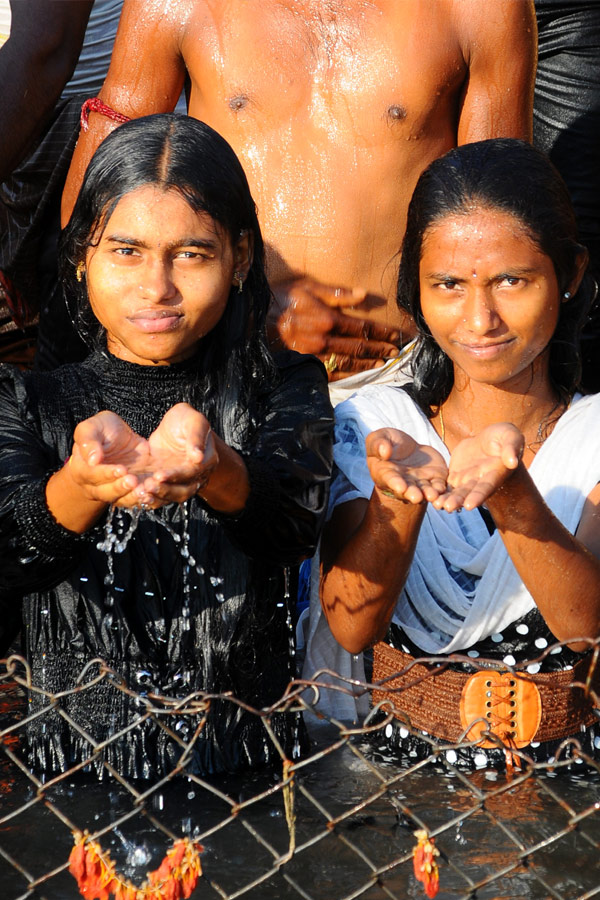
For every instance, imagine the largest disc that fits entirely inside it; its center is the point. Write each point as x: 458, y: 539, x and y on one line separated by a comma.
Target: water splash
x: 119, y: 529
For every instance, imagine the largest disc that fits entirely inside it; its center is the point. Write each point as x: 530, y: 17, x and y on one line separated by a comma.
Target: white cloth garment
x: 5, y: 20
x: 462, y: 585
x: 393, y: 372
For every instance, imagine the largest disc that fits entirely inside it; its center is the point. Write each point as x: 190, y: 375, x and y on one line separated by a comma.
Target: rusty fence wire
x: 337, y: 824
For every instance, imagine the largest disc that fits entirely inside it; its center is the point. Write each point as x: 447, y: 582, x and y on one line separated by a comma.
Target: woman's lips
x: 155, y: 321
x: 485, y: 350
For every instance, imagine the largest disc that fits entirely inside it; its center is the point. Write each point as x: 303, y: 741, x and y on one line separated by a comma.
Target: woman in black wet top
x: 182, y: 410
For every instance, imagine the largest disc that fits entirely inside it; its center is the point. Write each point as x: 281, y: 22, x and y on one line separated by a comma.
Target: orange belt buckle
x: 503, y: 703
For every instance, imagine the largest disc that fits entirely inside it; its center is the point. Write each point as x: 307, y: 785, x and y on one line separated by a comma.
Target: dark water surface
x: 498, y: 834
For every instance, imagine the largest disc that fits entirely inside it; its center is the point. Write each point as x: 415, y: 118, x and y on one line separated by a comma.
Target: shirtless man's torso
x: 334, y: 108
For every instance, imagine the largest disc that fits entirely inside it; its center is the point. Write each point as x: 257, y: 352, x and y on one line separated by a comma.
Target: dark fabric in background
x: 566, y: 125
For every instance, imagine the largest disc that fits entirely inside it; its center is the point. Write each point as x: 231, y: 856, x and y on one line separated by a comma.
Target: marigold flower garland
x: 94, y: 871
x: 425, y: 865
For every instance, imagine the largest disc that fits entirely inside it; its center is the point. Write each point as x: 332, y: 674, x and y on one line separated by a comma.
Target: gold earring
x: 240, y: 280
x: 80, y: 271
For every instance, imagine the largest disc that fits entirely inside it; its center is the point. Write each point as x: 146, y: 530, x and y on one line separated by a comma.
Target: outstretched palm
x: 182, y: 447
x: 401, y: 467
x: 480, y: 465
x: 106, y: 439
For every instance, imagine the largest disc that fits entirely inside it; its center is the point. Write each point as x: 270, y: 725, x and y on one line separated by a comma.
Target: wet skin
x: 158, y: 276
x: 491, y: 300
x: 334, y: 109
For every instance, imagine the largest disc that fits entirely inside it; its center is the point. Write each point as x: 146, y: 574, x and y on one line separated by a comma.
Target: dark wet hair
x: 181, y: 153
x: 510, y: 176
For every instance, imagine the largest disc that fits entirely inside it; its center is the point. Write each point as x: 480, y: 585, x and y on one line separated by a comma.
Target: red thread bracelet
x: 95, y: 104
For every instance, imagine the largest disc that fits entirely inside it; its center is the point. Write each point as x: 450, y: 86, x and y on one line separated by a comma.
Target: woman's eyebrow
x: 511, y: 271
x: 124, y: 239
x: 517, y: 270
x: 203, y: 243
x: 443, y: 276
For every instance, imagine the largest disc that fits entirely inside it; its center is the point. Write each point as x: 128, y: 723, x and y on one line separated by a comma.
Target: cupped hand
x: 308, y: 316
x: 480, y: 465
x: 183, y: 455
x: 399, y: 466
x: 105, y: 455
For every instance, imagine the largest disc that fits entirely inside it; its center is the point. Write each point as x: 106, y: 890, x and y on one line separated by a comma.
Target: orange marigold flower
x: 424, y: 863
x: 94, y: 871
x: 77, y: 861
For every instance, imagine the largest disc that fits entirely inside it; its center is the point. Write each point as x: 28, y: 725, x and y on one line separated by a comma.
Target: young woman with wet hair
x: 466, y: 506
x: 179, y: 409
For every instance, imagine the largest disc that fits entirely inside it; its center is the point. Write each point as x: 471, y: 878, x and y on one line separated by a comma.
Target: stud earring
x: 567, y: 295
x: 80, y: 271
x: 240, y: 281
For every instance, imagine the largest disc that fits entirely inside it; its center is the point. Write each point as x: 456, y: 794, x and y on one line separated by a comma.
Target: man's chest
x: 351, y: 61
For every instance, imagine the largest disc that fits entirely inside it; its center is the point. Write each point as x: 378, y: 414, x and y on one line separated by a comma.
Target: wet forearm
x: 146, y: 76
x: 69, y: 504
x: 560, y: 573
x: 228, y: 486
x: 361, y: 584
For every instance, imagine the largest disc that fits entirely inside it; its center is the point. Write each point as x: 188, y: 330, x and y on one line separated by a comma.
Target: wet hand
x: 106, y: 453
x: 183, y: 456
x: 404, y: 469
x: 308, y: 316
x: 480, y: 465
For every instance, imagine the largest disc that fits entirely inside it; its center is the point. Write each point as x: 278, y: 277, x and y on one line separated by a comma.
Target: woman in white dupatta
x: 467, y: 507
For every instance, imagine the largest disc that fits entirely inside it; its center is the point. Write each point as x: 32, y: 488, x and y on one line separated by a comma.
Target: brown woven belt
x: 516, y: 707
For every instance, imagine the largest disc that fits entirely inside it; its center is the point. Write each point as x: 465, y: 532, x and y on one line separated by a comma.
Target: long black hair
x: 181, y: 153
x: 511, y: 176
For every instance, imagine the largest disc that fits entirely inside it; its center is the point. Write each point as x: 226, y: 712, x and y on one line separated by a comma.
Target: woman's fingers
x: 480, y: 465
x: 379, y: 444
x: 404, y: 484
x: 88, y: 441
x: 469, y: 490
x: 112, y: 491
x: 403, y: 468
x: 154, y: 495
x: 511, y: 454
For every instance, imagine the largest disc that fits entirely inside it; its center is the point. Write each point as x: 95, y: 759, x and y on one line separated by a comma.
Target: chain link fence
x: 338, y: 824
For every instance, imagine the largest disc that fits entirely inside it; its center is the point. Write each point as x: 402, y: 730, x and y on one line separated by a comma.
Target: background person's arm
x: 36, y: 62
x: 146, y: 76
x: 499, y: 43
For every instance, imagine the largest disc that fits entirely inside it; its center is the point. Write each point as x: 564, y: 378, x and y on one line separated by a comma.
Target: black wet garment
x: 239, y: 638
x: 522, y: 641
x: 566, y: 125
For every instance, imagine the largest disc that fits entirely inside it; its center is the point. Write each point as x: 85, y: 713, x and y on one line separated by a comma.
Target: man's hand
x: 399, y: 466
x: 307, y: 316
x: 480, y: 465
